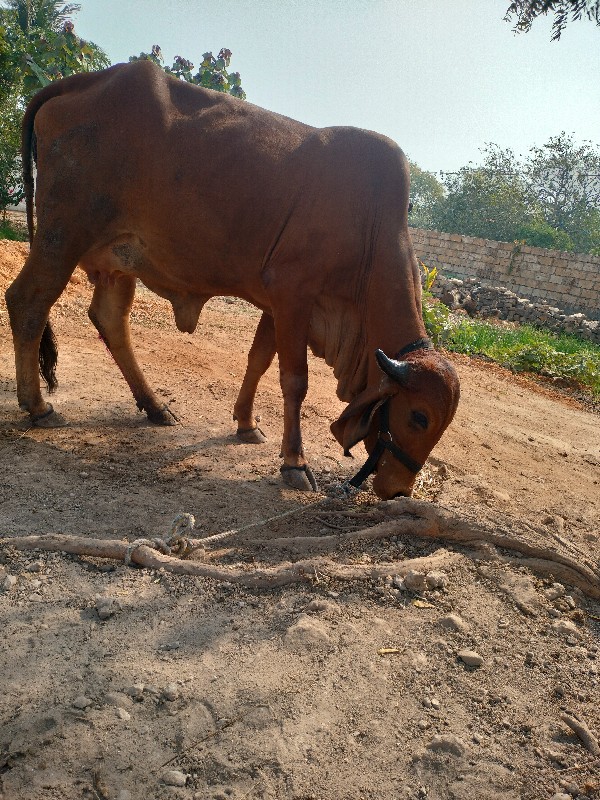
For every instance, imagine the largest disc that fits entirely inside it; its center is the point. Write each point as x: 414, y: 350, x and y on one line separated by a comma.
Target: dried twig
x: 580, y: 728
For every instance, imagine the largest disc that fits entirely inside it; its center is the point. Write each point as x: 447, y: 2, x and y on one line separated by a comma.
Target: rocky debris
x: 106, y: 607
x: 174, y: 777
x: 453, y: 622
x: 8, y: 582
x: 118, y: 699
x: 436, y: 580
x: 307, y: 631
x: 555, y: 591
x: 448, y: 743
x: 470, y: 658
x: 135, y: 691
x: 495, y: 301
x: 35, y: 566
x: 82, y: 702
x: 415, y: 581
x: 123, y: 715
x: 170, y: 692
x: 565, y: 627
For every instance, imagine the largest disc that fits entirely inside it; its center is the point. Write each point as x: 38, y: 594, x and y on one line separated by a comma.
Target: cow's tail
x: 48, y: 352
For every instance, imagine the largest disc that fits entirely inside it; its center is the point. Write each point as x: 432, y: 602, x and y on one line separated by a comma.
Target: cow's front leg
x: 292, y: 341
x: 260, y: 358
x: 109, y: 311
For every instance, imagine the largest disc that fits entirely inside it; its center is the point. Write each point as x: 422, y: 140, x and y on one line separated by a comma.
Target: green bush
x: 12, y: 232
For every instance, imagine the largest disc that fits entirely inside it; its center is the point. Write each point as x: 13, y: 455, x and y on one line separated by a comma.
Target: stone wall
x: 569, y: 281
x: 489, y: 301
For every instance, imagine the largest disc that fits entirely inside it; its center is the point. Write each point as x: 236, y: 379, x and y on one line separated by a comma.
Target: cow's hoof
x: 49, y: 419
x: 251, y: 435
x: 299, y: 478
x: 162, y: 416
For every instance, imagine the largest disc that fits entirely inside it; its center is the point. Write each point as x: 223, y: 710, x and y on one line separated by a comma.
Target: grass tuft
x: 520, y: 348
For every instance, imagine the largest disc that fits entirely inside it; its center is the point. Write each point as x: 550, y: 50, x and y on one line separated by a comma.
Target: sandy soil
x: 283, y: 693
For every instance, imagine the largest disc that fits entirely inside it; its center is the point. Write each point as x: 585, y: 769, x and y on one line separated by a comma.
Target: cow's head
x: 415, y: 400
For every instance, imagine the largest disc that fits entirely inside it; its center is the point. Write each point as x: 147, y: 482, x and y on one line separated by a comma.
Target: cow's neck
x: 337, y: 335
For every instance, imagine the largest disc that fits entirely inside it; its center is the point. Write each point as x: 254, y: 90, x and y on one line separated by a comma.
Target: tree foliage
x: 37, y: 45
x: 524, y: 12
x: 212, y: 72
x: 549, y: 199
x: 488, y: 201
x: 40, y: 45
x: 425, y: 192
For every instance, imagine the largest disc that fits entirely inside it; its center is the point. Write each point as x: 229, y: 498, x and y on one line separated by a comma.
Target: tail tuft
x: 48, y: 357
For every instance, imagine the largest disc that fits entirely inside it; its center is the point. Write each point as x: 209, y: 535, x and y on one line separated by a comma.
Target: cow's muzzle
x: 384, y: 442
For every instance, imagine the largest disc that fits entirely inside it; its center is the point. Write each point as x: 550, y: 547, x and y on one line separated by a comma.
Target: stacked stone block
x: 495, y: 301
x: 568, y: 281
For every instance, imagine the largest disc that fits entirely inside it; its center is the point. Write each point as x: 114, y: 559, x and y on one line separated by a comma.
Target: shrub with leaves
x: 436, y: 315
x: 212, y: 72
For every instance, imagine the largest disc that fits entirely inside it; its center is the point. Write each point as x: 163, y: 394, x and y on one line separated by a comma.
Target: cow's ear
x: 355, y: 421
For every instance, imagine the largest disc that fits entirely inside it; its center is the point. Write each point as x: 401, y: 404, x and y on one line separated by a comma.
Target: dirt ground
x: 187, y: 687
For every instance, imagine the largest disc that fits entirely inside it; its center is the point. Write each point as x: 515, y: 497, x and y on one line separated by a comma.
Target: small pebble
x: 452, y: 622
x: 8, y: 582
x: 174, y: 777
x: 171, y: 692
x: 35, y: 566
x: 136, y: 691
x: 565, y: 627
x: 555, y: 591
x: 447, y: 743
x: 123, y: 715
x: 124, y: 794
x: 560, y: 796
x: 415, y: 581
x: 107, y: 606
x: 470, y: 658
x: 82, y: 702
x: 436, y: 580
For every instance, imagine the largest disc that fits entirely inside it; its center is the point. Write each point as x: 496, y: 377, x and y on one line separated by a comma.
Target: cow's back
x: 217, y: 189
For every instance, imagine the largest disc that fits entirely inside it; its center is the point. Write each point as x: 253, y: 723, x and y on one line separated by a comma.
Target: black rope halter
x: 385, y: 440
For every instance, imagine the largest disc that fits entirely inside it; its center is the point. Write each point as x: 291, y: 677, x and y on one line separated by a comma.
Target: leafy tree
x: 550, y: 199
x: 10, y: 141
x: 212, y: 73
x: 490, y: 201
x: 425, y: 192
x: 41, y: 45
x: 37, y: 44
x: 564, y: 180
x: 539, y: 233
x: 525, y: 12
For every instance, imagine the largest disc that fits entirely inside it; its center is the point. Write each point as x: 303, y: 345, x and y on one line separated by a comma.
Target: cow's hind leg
x: 260, y: 358
x: 109, y: 311
x: 29, y: 299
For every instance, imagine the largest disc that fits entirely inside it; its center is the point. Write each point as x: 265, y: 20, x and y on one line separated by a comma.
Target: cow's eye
x: 420, y: 419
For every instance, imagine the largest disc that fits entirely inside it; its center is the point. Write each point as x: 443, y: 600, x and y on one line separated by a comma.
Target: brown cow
x: 200, y: 194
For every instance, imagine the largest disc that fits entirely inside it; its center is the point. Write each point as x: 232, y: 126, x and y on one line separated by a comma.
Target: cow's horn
x: 397, y: 370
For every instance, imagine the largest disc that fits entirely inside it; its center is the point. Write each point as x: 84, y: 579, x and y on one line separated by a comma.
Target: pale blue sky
x: 441, y: 78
